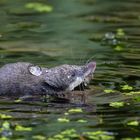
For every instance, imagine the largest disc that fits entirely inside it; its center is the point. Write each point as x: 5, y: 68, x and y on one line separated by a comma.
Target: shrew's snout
x: 84, y: 75
x: 88, y: 75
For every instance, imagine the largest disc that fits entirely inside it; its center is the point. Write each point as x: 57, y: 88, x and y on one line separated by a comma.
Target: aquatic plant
x: 82, y: 121
x: 39, y: 137
x: 39, y: 7
x: 5, y: 130
x: 118, y: 48
x: 109, y: 91
x: 117, y: 104
x: 133, y: 123
x: 120, y: 33
x: 22, y: 128
x: 72, y: 134
x: 65, y: 135
x: 63, y: 120
x: 4, y: 116
x: 115, y: 39
x: 75, y: 110
x: 132, y: 93
x: 126, y: 87
x: 99, y: 135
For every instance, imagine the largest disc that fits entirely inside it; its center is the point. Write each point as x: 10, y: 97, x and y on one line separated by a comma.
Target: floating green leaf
x: 126, y: 87
x: 22, y: 128
x: 99, y: 135
x: 63, y: 120
x: 75, y: 110
x: 57, y: 137
x: 120, y: 33
x: 133, y: 123
x: 116, y: 104
x: 109, y: 91
x: 68, y: 132
x: 132, y: 93
x: 4, y: 138
x: 66, y: 113
x: 4, y: 116
x: 39, y: 137
x: 18, y: 101
x: 6, y: 125
x: 72, y: 134
x: 5, y: 130
x: 40, y: 7
x: 65, y: 135
x: 82, y: 121
x: 118, y: 48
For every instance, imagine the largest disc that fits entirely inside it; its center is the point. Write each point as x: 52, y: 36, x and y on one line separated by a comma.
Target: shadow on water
x: 75, y: 32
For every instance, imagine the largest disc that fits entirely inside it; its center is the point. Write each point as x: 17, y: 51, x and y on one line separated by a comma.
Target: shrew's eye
x: 71, y: 75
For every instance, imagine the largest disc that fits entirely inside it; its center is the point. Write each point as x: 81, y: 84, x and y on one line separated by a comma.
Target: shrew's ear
x: 35, y: 70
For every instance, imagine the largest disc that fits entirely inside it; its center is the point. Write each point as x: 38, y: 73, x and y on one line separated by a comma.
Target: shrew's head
x: 67, y: 77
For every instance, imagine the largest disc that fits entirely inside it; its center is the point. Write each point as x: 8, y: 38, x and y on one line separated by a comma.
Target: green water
x: 73, y: 33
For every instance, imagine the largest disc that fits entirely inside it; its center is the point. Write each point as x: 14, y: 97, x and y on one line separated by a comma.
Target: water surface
x: 73, y: 33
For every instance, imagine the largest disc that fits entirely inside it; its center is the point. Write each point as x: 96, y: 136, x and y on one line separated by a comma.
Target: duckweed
x: 4, y: 138
x: 120, y: 33
x: 65, y: 135
x: 118, y: 48
x: 18, y: 101
x: 109, y: 91
x: 4, y: 116
x: 75, y: 110
x: 5, y: 125
x: 39, y: 7
x: 132, y: 93
x: 72, y: 133
x: 82, y: 121
x: 66, y: 113
x: 5, y: 130
x: 63, y: 120
x: 39, y: 137
x: 99, y: 135
x: 22, y: 128
x: 116, y: 104
x: 133, y: 123
x: 29, y: 33
x: 126, y: 87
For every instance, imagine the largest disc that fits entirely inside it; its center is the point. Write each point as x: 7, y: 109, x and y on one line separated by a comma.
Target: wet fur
x: 17, y: 80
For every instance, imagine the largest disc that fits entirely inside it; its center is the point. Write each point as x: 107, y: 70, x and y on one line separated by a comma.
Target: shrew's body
x: 24, y: 78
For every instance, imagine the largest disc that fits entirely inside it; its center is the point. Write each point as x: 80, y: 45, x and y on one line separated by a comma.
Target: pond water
x: 75, y: 32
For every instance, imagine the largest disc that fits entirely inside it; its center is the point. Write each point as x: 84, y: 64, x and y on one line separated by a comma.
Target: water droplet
x: 109, y: 35
x: 35, y: 70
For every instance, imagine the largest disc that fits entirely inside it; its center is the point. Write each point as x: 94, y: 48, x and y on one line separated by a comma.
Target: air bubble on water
x: 115, y: 42
x: 110, y: 35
